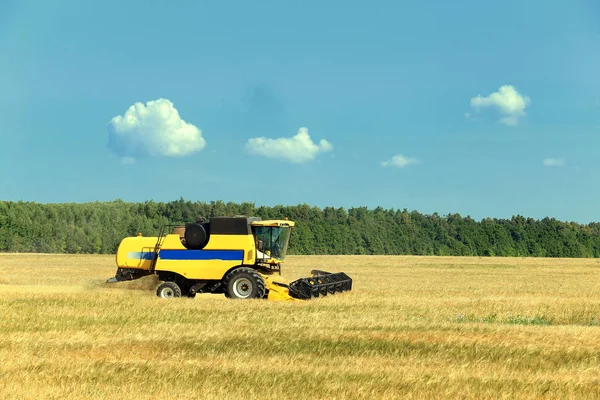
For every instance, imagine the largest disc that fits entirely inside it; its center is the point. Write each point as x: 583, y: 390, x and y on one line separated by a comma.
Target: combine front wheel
x: 244, y: 283
x: 168, y: 290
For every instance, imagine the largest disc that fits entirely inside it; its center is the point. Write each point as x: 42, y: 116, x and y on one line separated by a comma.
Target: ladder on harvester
x: 161, y: 235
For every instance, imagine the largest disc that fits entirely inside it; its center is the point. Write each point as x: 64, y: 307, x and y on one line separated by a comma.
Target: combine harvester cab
x: 239, y: 257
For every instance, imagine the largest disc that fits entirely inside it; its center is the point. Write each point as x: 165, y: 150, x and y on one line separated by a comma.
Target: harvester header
x: 239, y: 257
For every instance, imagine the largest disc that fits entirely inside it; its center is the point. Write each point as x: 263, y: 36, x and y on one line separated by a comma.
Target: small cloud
x: 297, y: 149
x: 507, y: 100
x: 127, y: 160
x: 399, y: 161
x: 510, y: 121
x: 153, y: 129
x: 554, y: 162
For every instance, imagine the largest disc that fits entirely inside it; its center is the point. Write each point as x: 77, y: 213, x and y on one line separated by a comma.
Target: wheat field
x: 412, y: 327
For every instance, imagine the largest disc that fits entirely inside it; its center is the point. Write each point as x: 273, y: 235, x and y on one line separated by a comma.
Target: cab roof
x: 273, y: 222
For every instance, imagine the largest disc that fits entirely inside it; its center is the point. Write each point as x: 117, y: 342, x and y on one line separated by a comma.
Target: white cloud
x: 153, y: 129
x: 507, y: 100
x: 554, y: 162
x: 399, y: 161
x: 127, y: 160
x: 510, y: 121
x: 297, y: 149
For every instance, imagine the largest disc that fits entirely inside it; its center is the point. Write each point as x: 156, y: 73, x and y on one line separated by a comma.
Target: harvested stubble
x: 413, y: 327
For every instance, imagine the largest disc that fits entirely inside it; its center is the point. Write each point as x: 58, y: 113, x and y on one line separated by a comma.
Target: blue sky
x: 488, y: 110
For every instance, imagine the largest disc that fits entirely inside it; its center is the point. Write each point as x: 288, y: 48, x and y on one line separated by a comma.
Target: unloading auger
x: 238, y: 256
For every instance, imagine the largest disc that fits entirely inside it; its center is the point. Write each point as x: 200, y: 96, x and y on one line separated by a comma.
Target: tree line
x: 98, y: 228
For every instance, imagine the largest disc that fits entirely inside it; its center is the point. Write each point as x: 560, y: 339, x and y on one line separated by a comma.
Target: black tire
x: 195, y: 236
x: 244, y: 283
x: 168, y: 290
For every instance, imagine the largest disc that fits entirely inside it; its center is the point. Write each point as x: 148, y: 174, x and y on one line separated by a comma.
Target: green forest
x: 98, y: 228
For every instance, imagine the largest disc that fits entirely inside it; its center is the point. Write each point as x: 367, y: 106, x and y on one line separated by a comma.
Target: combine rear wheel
x: 168, y: 290
x: 244, y: 283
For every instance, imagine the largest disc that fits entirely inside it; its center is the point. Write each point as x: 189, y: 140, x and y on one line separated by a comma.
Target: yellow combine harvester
x: 237, y: 256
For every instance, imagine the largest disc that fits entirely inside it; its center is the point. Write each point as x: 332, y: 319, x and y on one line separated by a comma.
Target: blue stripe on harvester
x: 141, y: 255
x: 222, y: 255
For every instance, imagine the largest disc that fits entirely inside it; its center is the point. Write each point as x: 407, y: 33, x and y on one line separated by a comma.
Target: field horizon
x: 412, y: 327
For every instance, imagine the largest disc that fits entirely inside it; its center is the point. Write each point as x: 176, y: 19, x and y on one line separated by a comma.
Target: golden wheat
x: 412, y: 327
